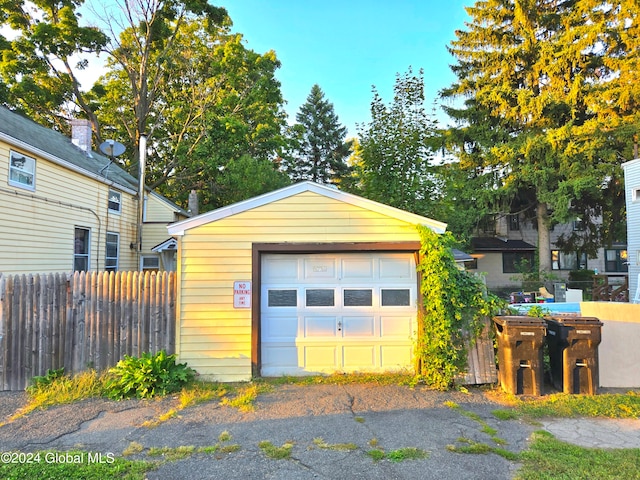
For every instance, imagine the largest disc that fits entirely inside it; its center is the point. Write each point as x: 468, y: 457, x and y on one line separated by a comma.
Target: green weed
x: 276, y: 453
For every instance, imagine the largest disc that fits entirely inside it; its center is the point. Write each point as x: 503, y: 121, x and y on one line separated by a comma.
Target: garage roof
x: 331, y: 192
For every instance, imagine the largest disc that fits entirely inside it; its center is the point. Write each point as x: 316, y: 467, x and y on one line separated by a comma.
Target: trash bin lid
x: 519, y: 320
x: 571, y: 320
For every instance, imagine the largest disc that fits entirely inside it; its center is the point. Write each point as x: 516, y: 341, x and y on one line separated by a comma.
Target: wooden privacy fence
x: 82, y: 320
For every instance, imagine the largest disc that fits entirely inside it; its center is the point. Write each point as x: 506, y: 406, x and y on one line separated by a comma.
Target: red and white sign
x: 241, y: 294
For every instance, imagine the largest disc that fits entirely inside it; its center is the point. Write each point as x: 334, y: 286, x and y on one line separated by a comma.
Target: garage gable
x: 288, y: 194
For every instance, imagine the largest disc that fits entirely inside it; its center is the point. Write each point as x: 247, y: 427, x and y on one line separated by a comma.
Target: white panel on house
x: 349, y: 312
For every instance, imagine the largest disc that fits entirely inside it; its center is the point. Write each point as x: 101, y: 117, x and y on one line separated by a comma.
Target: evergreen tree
x: 529, y: 71
x: 319, y: 149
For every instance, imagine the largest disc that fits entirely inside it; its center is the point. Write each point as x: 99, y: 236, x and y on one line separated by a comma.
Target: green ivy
x: 147, y: 376
x: 456, y: 304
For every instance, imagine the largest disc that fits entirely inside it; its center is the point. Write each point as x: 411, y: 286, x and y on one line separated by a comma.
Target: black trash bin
x: 520, y: 364
x: 573, y: 353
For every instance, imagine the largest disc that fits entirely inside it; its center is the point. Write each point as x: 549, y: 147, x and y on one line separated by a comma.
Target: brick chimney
x: 81, y: 134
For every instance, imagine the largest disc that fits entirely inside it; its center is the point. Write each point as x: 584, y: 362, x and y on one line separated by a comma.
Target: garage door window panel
x: 396, y: 297
x: 320, y: 297
x: 283, y: 298
x: 362, y: 297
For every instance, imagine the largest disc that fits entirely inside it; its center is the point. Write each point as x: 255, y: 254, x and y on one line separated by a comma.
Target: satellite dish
x: 111, y: 148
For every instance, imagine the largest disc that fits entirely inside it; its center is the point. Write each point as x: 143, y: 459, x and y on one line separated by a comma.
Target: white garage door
x: 348, y: 312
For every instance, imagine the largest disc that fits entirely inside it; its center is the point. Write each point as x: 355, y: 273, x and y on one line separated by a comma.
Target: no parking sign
x: 242, y: 294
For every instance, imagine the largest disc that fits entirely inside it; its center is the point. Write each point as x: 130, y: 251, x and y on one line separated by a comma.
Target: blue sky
x: 347, y: 46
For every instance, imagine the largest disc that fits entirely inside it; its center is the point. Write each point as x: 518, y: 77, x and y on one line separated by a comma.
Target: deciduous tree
x: 396, y: 149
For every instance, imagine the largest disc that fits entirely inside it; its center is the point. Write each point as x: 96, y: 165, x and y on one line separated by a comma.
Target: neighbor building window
x: 81, y: 247
x: 517, y: 262
x: 616, y: 260
x: 568, y: 261
x: 112, y: 252
x: 150, y: 263
x: 514, y: 222
x: 578, y: 225
x: 115, y: 201
x: 22, y: 171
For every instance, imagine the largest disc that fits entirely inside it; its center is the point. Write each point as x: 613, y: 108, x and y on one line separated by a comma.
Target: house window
x: 635, y: 194
x: 150, y: 263
x: 22, y: 171
x: 616, y: 260
x: 578, y: 225
x: 517, y: 262
x: 81, y: 249
x: 115, y: 201
x: 514, y: 222
x: 568, y: 261
x: 113, y: 249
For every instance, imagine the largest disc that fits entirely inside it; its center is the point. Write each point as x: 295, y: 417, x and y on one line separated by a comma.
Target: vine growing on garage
x: 455, y: 306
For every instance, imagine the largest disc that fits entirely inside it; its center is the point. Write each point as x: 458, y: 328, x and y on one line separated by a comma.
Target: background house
x: 632, y: 195
x: 64, y: 207
x: 305, y: 279
x: 509, y: 240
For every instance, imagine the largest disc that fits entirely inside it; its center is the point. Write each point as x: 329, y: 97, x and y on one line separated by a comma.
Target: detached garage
x: 299, y: 281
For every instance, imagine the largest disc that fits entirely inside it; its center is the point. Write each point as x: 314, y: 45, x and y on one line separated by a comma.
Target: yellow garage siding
x: 214, y: 338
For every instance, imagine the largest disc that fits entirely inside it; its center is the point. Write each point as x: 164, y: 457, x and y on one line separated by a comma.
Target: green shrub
x: 147, y: 376
x: 42, y: 381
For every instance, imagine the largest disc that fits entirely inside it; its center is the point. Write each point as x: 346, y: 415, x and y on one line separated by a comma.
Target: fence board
x: 81, y: 320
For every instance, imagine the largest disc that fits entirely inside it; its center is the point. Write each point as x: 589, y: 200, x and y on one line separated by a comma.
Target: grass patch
x: 393, y: 378
x: 84, y: 469
x: 245, y: 396
x: 505, y: 414
x: 172, y: 453
x: 376, y: 454
x: 548, y: 458
x: 565, y: 405
x: 359, y: 419
x: 276, y: 453
x: 479, y: 448
x: 344, y: 447
x: 199, y: 392
x: 409, y: 453
x: 62, y: 389
x: 133, y: 449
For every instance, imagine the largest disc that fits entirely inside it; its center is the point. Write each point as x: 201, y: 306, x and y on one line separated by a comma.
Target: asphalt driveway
x: 330, y: 427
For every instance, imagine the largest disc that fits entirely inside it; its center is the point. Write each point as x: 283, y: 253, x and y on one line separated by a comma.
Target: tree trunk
x: 544, y: 240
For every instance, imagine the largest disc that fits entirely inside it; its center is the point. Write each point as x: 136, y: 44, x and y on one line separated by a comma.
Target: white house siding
x: 213, y: 337
x: 632, y: 183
